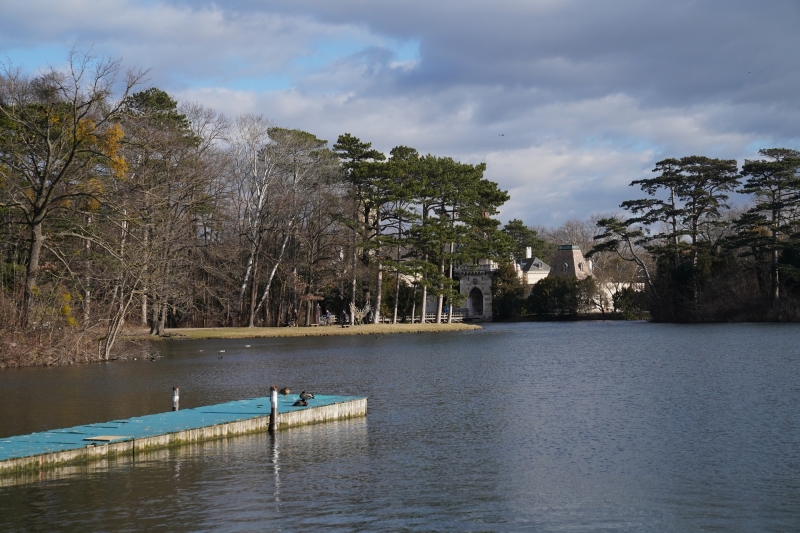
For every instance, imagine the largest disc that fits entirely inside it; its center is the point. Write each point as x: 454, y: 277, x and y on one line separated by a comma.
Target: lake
x: 587, y: 426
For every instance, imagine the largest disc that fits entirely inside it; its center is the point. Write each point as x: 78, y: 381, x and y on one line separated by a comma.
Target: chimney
x: 527, y: 252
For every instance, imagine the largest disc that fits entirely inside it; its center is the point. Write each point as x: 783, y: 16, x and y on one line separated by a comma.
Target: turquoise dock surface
x: 79, y: 437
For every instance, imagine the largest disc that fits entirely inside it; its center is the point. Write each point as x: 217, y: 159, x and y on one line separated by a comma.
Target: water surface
x: 589, y: 426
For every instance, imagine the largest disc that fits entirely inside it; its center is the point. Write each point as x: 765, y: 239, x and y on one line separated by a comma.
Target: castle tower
x: 476, y: 284
x: 569, y: 262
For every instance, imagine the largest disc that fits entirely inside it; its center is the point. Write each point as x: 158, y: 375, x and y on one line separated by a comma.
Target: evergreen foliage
x: 698, y: 259
x: 508, y: 294
x: 523, y: 237
x: 561, y: 296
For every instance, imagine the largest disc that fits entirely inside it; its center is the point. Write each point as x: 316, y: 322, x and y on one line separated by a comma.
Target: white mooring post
x: 175, y: 398
x: 273, y: 412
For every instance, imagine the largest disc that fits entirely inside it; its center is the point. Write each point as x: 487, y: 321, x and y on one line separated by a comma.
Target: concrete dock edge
x: 129, y: 448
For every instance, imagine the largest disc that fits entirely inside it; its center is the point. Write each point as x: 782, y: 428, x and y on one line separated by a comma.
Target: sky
x: 567, y: 101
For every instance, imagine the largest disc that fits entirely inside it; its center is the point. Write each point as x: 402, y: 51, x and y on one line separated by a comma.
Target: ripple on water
x: 541, y: 426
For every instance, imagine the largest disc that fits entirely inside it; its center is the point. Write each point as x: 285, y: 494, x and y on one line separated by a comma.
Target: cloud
x: 587, y: 95
x: 185, y: 46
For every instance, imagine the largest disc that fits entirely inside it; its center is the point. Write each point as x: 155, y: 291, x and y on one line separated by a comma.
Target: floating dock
x: 80, y: 444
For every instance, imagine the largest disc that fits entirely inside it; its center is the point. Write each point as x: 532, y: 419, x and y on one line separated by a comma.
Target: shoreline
x: 134, y: 342
x: 305, y: 331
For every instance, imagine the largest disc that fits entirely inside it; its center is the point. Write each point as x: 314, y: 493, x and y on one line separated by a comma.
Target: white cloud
x: 588, y: 96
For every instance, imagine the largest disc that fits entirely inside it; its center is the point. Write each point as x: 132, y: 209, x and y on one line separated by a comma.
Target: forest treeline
x: 680, y: 252
x: 120, y: 206
x: 699, y: 259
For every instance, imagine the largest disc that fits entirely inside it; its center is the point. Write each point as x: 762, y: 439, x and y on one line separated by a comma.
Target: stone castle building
x: 476, y: 283
x: 570, y: 263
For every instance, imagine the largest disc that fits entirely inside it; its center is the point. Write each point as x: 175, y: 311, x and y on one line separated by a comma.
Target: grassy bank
x: 71, y: 346
x: 322, y: 331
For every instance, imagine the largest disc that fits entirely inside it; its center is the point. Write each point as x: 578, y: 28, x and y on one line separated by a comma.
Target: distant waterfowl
x: 300, y: 403
x: 306, y: 395
x: 285, y: 391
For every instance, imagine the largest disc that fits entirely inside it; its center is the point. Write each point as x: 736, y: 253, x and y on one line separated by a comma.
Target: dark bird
x: 306, y: 395
x: 300, y: 403
x: 502, y: 135
x: 285, y: 391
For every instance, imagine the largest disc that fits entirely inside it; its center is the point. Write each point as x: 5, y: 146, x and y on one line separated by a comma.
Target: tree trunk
x: 378, y: 294
x: 87, y: 294
x: 265, y: 294
x: 695, y: 288
x: 414, y: 303
x: 776, y: 294
x: 450, y: 301
x: 396, y: 296
x: 397, y: 273
x: 144, y: 306
x: 162, y: 320
x: 353, y: 292
x: 37, y: 241
x: 115, y: 324
x: 674, y: 228
x: 154, y: 319
x: 279, y: 314
x: 144, y: 289
x: 267, y: 316
x: 253, y: 296
x: 440, y: 296
x: 248, y: 272
x: 422, y: 317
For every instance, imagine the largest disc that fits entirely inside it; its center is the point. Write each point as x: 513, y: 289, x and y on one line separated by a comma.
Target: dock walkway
x: 126, y: 437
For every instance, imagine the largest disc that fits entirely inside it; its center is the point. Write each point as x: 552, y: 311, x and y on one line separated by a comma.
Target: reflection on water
x: 169, y: 489
x: 544, y: 427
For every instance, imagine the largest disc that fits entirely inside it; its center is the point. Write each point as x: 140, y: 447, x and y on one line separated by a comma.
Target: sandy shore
x: 253, y: 333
